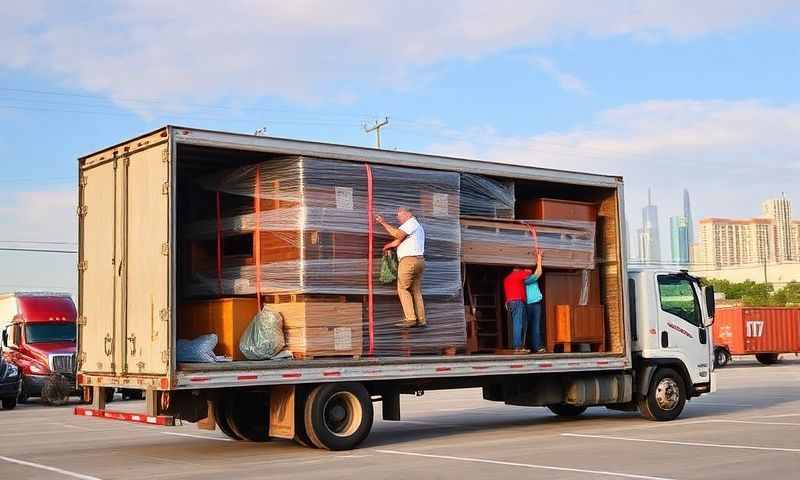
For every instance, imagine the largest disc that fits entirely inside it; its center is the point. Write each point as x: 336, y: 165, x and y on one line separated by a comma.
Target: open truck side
x: 655, y: 352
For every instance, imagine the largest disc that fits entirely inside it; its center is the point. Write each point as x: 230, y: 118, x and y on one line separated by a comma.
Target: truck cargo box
x: 154, y: 240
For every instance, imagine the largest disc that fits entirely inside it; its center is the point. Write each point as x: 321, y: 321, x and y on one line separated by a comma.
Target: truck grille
x: 62, y: 363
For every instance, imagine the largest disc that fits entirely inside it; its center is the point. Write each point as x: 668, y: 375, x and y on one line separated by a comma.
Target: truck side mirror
x: 710, y: 303
x: 5, y: 338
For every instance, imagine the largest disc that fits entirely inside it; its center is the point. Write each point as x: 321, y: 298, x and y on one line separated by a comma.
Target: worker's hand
x: 379, y: 219
x: 539, y: 253
x: 388, y: 246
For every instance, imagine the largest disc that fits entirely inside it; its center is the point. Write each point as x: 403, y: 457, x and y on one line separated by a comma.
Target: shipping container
x: 762, y: 331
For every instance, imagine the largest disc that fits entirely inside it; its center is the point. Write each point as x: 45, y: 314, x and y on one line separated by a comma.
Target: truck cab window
x: 678, y: 297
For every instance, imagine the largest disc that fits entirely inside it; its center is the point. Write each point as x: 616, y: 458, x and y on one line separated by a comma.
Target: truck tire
x: 9, y: 403
x: 247, y: 415
x: 109, y: 392
x: 767, y: 358
x: 300, y: 434
x: 338, y: 416
x: 222, y: 422
x: 721, y: 357
x: 56, y: 390
x: 666, y: 396
x: 566, y: 410
x: 132, y: 394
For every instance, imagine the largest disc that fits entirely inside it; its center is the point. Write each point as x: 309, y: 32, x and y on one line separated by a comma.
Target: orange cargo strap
x: 370, y: 239
x: 257, y: 236
x: 219, y: 245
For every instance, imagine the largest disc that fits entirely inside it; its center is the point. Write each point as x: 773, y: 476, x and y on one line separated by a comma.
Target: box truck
x: 185, y: 232
x: 766, y: 332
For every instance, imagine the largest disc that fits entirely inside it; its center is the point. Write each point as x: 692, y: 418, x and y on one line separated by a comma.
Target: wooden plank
x: 281, y: 411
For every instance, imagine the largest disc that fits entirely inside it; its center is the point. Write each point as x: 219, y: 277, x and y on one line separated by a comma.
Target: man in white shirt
x: 409, y: 239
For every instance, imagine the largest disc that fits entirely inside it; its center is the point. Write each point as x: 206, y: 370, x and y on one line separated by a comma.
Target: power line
x: 36, y: 250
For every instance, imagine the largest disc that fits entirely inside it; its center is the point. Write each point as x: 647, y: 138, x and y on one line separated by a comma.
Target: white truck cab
x: 670, y: 332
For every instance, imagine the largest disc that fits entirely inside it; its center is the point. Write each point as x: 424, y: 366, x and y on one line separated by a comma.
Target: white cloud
x: 566, y: 81
x: 307, y: 49
x: 729, y: 154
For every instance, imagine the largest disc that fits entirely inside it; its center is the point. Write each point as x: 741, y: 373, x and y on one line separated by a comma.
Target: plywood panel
x: 147, y: 263
x: 97, y: 276
x: 611, y: 276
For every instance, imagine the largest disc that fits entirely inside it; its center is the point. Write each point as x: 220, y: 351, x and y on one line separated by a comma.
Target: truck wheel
x: 9, y: 403
x: 109, y: 392
x: 247, y: 415
x: 338, y: 416
x: 566, y: 410
x: 300, y: 434
x: 666, y: 396
x: 767, y: 358
x: 721, y: 357
x: 222, y: 421
x: 132, y: 394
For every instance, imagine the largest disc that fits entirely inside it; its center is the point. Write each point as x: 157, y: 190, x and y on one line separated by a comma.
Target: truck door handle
x: 132, y: 340
x: 107, y: 343
x: 703, y: 336
x: 664, y: 340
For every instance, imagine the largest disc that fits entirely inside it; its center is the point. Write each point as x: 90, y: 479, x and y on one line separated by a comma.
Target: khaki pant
x: 409, y: 288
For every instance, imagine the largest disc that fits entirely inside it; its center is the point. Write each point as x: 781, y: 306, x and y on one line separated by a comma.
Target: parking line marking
x: 49, y: 469
x: 689, y: 444
x: 717, y: 404
x: 203, y: 437
x: 783, y: 415
x: 752, y: 422
x: 524, y: 465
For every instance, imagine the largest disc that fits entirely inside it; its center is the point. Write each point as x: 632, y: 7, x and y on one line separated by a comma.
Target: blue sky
x: 667, y: 94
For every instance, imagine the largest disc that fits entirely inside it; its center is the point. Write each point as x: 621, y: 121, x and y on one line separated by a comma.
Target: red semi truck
x: 38, y: 332
x: 764, y: 332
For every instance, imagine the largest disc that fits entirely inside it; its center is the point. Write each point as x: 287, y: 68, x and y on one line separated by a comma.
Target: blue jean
x: 516, y: 315
x: 533, y: 314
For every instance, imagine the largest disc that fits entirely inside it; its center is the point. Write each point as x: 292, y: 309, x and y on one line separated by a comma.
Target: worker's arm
x: 538, y: 272
x: 392, y: 244
x: 391, y: 230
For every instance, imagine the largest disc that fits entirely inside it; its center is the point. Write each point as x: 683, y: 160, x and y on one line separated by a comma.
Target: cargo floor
x: 366, y: 361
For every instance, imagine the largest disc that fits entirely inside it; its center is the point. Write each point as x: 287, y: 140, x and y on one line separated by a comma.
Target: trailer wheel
x: 247, y: 415
x: 132, y: 394
x: 566, y: 410
x: 300, y: 434
x: 721, y: 357
x: 666, y: 396
x: 338, y: 416
x: 767, y: 358
x: 222, y: 421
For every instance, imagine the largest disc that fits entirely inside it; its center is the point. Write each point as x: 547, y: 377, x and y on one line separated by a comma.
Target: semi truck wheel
x: 9, y: 403
x: 300, y: 434
x: 132, y: 394
x: 338, y: 416
x: 566, y: 410
x: 767, y: 358
x: 666, y: 396
x: 721, y: 357
x: 222, y: 421
x: 247, y: 415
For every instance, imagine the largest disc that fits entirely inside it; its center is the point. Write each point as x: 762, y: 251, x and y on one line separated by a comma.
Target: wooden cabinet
x: 227, y: 317
x: 580, y: 324
x: 564, y: 288
x: 551, y: 209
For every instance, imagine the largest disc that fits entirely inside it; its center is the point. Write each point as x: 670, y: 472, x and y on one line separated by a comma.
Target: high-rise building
x: 779, y: 210
x: 679, y: 240
x: 687, y: 214
x: 649, y: 245
x: 725, y: 242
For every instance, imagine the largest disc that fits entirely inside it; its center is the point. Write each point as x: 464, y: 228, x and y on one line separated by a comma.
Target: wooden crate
x: 321, y: 329
x: 564, y: 288
x: 226, y: 317
x: 507, y: 243
x: 580, y: 324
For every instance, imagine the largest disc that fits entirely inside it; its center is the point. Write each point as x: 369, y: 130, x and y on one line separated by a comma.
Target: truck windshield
x: 50, y: 332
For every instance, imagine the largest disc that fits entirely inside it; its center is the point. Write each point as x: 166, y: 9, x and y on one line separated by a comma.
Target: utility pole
x: 377, y: 129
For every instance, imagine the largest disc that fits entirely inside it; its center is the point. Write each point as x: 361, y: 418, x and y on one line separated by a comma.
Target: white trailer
x: 659, y: 346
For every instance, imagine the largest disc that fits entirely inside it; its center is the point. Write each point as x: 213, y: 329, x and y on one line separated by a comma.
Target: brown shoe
x: 421, y: 324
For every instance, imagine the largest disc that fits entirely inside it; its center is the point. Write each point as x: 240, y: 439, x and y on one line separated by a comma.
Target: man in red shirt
x: 514, y: 288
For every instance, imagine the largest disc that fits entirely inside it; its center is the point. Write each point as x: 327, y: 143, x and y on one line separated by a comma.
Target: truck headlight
x: 36, y: 368
x: 12, y: 370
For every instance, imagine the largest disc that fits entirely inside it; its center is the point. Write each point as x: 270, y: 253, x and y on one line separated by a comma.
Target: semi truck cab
x: 38, y: 334
x: 670, y: 332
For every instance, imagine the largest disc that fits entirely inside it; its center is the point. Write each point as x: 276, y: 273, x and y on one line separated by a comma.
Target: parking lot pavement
x: 749, y: 428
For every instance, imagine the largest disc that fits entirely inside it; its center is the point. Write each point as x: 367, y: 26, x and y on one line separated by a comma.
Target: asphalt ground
x: 748, y: 429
